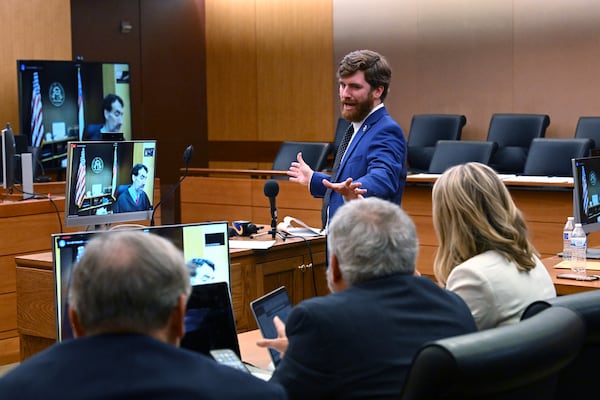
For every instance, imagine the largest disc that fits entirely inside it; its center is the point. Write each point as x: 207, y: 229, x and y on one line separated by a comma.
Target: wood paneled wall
x: 482, y: 57
x: 268, y: 75
x: 30, y: 29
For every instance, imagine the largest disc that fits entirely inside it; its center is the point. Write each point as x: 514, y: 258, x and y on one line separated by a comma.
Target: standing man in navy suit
x: 127, y: 301
x: 371, y: 159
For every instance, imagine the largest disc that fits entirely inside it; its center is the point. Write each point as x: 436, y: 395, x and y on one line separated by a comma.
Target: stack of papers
x: 295, y: 227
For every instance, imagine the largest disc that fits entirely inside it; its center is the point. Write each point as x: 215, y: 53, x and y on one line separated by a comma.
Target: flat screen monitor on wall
x: 109, y: 182
x: 205, y: 248
x: 63, y: 100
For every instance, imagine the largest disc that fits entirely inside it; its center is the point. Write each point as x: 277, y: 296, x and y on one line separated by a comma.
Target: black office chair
x: 578, y: 379
x: 513, y: 133
x: 449, y: 153
x: 589, y: 128
x: 552, y: 157
x: 519, y: 361
x: 313, y: 153
x: 425, y: 131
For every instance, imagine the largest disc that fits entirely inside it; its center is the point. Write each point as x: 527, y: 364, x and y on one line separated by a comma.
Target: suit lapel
x: 358, y: 136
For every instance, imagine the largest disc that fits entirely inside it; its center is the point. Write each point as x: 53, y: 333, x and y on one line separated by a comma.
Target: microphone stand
x: 273, y: 231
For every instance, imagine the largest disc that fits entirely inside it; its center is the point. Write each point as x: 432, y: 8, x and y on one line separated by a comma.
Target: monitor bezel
x: 90, y: 101
x: 589, y: 224
x: 96, y: 220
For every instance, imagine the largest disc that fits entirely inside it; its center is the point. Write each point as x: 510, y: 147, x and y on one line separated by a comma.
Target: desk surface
x: 568, y: 286
x: 251, y: 353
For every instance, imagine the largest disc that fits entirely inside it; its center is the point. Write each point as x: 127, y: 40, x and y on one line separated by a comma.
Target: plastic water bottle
x: 578, y: 251
x: 567, y: 230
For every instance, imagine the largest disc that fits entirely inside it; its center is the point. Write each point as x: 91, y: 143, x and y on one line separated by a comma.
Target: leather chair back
x: 519, y: 361
x: 578, y: 379
x: 425, y: 131
x: 552, y: 157
x: 513, y: 133
x: 449, y: 153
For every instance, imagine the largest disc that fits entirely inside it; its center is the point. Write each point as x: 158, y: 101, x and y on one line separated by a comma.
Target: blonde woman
x: 484, y: 254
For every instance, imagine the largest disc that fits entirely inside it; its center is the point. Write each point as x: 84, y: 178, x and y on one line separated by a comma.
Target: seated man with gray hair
x: 359, y: 341
x: 127, y: 302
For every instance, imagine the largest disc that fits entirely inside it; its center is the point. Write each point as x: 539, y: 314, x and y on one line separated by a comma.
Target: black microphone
x: 271, y: 190
x: 187, y: 156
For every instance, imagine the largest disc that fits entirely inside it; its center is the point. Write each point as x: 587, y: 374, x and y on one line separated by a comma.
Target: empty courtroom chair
x: 578, y: 379
x: 313, y: 153
x: 589, y: 128
x: 449, y: 153
x: 425, y: 131
x: 552, y: 157
x: 513, y: 133
x: 519, y: 361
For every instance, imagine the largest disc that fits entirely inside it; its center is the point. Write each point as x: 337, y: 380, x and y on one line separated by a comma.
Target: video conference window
x: 61, y: 100
x: 110, y: 182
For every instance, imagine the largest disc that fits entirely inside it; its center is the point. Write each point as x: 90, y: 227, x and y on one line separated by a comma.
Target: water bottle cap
x: 578, y: 225
x: 570, y: 218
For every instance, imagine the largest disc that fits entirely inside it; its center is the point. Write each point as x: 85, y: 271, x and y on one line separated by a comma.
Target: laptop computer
x: 210, y: 326
x: 265, y: 308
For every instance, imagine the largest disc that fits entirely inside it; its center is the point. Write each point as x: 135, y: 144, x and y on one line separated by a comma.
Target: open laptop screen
x: 209, y: 320
x: 205, y: 247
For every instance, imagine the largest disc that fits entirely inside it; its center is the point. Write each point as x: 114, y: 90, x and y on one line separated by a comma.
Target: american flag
x: 80, y: 187
x: 37, y: 126
x: 114, y: 173
x: 80, y: 104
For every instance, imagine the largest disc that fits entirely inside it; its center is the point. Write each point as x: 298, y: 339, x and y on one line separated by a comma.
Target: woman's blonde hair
x: 473, y: 212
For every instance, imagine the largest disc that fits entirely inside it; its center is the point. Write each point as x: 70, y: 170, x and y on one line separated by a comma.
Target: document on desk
x: 296, y: 227
x: 251, y: 244
x: 590, y: 265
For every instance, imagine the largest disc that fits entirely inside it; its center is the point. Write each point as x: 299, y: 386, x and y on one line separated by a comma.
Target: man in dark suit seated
x: 112, y: 106
x: 127, y: 304
x: 133, y: 198
x: 359, y: 341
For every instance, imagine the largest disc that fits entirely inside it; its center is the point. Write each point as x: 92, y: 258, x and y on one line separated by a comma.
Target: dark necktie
x: 336, y: 165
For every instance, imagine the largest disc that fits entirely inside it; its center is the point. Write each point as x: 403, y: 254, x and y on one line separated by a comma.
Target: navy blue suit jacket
x: 359, y: 343
x: 129, y: 366
x: 376, y: 158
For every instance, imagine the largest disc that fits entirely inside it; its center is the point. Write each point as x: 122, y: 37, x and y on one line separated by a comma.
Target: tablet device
x: 265, y: 308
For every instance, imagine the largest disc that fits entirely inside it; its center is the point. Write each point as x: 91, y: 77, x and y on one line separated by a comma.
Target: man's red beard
x: 360, y: 111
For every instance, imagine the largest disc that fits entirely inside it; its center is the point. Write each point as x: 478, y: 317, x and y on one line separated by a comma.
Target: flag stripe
x: 80, y: 104
x: 37, y: 126
x: 80, y: 187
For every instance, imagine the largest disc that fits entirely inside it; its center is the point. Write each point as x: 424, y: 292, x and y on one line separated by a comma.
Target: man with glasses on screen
x: 112, y: 107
